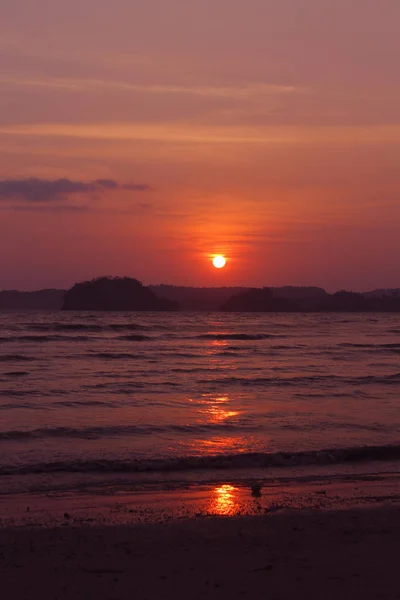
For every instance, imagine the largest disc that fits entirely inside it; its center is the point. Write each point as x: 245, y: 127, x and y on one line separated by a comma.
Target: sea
x: 107, y: 399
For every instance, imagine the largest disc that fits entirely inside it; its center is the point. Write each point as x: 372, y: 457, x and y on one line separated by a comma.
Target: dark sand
x: 306, y: 554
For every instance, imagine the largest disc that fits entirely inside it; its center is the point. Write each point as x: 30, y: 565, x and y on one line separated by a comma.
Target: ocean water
x: 161, y: 393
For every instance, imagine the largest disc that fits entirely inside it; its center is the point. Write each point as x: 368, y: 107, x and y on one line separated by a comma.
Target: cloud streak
x: 34, y: 190
x: 243, y: 92
x: 212, y: 134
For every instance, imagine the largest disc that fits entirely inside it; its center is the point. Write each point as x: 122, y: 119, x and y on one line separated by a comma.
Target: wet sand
x: 307, y: 554
x: 134, y: 502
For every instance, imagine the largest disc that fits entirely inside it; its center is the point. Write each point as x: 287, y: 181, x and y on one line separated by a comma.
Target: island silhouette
x: 129, y: 294
x: 266, y: 300
x: 114, y: 293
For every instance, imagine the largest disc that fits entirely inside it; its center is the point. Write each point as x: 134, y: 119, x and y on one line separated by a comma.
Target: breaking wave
x: 251, y: 460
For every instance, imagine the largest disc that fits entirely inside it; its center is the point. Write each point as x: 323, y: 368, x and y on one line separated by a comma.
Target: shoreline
x: 128, y: 502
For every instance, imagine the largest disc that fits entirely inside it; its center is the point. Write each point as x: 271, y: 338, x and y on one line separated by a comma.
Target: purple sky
x: 142, y: 137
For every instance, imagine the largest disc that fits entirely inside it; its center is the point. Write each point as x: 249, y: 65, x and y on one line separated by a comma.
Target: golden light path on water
x: 224, y: 500
x: 216, y: 409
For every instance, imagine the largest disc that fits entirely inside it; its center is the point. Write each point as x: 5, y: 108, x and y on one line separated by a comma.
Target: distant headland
x: 265, y: 300
x: 128, y: 294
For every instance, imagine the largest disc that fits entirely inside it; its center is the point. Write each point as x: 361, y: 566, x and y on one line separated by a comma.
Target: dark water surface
x: 175, y: 392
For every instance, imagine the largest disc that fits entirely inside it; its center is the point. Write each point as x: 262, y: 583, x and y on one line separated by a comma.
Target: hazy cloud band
x: 46, y: 190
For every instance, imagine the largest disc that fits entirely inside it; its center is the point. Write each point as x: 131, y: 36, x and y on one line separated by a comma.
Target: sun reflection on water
x: 215, y: 351
x: 215, y: 411
x: 224, y: 500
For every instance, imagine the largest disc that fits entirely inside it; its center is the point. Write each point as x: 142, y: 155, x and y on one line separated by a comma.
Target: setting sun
x: 219, y: 261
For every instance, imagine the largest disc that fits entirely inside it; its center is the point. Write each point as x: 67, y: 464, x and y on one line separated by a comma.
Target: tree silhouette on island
x: 115, y: 293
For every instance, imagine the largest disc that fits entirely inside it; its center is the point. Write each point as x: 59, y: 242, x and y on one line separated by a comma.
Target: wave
x: 83, y: 327
x: 16, y: 394
x: 64, y: 327
x: 15, y: 358
x: 114, y: 356
x: 253, y: 460
x: 186, y: 355
x: 126, y: 326
x: 90, y: 433
x: 25, y: 406
x: 46, y: 338
x: 16, y: 373
x: 77, y: 403
x: 394, y: 378
x: 291, y: 347
x: 69, y: 338
x: 238, y: 336
x: 280, y: 381
x: 373, y: 346
x: 106, y: 431
x: 347, y: 321
x: 131, y: 387
x: 135, y: 338
x: 68, y: 404
x: 34, y: 393
x: 298, y: 381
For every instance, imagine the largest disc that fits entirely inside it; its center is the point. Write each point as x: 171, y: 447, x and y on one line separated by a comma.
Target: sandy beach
x: 294, y: 554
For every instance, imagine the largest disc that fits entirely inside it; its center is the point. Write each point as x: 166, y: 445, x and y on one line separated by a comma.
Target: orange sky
x: 267, y: 131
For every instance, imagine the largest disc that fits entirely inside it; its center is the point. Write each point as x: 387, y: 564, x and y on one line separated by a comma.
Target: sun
x: 219, y: 261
